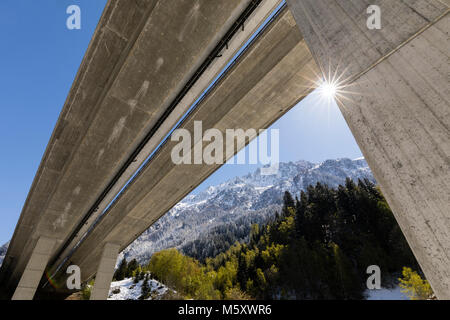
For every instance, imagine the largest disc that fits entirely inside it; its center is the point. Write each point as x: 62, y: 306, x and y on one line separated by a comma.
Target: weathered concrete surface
x: 35, y: 269
x: 105, y: 272
x: 142, y: 53
x: 272, y: 76
x: 398, y: 108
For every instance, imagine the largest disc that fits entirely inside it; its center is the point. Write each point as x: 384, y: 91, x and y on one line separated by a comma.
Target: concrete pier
x: 395, y: 99
x: 34, y: 270
x: 105, y: 272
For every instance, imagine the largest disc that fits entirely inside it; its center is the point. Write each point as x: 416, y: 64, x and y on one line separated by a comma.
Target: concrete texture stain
x: 142, y: 91
x: 100, y: 154
x: 191, y: 20
x: 118, y: 128
x: 159, y: 63
x: 77, y: 190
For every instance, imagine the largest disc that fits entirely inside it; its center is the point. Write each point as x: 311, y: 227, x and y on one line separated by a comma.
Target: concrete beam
x: 252, y: 23
x: 277, y: 70
x: 397, y: 104
x: 142, y: 54
x: 35, y: 269
x: 105, y: 272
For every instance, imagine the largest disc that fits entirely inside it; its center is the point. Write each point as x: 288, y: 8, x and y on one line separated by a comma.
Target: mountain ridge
x: 247, y: 199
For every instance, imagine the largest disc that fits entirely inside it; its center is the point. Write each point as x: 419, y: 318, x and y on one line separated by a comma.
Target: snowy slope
x: 3, y: 250
x: 254, y: 195
x: 128, y: 290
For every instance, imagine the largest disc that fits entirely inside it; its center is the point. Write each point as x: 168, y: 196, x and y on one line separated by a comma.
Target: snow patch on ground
x: 128, y: 290
x: 386, y: 294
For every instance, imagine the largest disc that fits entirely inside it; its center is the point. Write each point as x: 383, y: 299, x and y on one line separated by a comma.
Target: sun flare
x: 328, y: 90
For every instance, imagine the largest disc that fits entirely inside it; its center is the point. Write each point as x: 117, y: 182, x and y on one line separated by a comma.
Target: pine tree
x: 254, y: 234
x: 145, y: 290
x: 288, y: 203
x: 300, y: 212
x: 137, y: 275
x: 121, y: 272
x: 131, y: 267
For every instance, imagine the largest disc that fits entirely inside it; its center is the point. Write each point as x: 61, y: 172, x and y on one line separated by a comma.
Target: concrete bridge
x: 150, y: 60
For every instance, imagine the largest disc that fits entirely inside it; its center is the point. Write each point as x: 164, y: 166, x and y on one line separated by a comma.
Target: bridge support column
x: 34, y: 269
x: 396, y: 101
x: 105, y: 272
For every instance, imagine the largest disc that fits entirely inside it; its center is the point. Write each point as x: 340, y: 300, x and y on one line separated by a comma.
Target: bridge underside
x: 142, y: 54
x: 395, y: 100
x: 277, y: 70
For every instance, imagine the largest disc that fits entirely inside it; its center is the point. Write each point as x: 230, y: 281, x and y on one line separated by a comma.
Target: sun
x: 328, y: 90
x: 332, y: 85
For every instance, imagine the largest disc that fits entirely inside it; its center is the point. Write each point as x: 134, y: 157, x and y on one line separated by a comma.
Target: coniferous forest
x: 317, y: 247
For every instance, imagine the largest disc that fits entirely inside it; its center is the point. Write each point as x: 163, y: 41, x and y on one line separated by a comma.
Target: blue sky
x: 38, y: 62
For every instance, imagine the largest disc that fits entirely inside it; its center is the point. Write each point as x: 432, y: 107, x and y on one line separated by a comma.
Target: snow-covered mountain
x: 3, y: 250
x: 254, y: 196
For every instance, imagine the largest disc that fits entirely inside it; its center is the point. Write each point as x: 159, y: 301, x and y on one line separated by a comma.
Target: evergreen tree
x: 301, y: 207
x: 145, y: 290
x: 121, y: 272
x: 288, y: 202
x: 131, y: 267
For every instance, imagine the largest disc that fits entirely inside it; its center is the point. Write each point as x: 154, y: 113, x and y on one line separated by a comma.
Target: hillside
x: 238, y: 203
x: 317, y: 246
x: 3, y: 250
